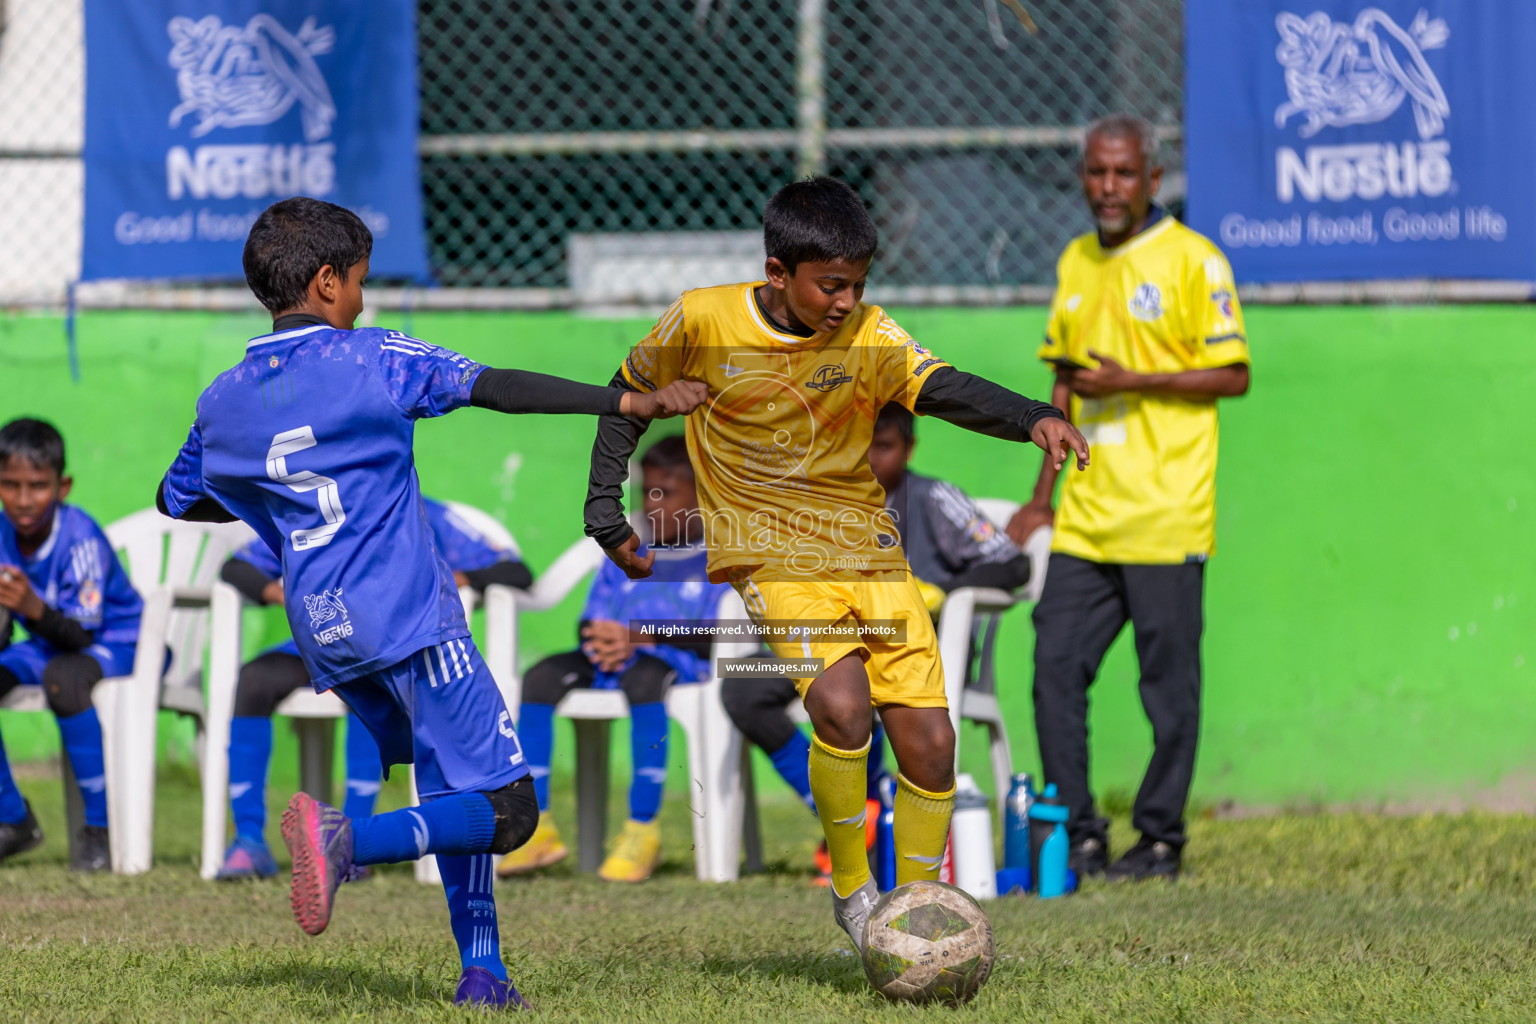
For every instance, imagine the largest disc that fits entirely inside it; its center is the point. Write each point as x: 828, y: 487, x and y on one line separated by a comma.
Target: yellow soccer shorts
x: 905, y: 672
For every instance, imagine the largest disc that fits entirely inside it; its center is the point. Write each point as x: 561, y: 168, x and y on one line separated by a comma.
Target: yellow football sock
x: 921, y: 828
x: 838, y: 784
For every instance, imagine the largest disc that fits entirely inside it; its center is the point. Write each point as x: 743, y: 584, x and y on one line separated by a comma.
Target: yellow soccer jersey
x: 781, y: 449
x: 1161, y: 303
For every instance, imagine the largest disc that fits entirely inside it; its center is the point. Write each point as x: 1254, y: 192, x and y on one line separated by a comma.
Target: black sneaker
x: 92, y: 852
x: 1147, y: 859
x: 21, y: 836
x: 1088, y: 857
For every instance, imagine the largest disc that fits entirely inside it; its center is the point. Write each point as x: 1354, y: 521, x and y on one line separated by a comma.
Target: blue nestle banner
x: 201, y: 113
x: 1334, y: 139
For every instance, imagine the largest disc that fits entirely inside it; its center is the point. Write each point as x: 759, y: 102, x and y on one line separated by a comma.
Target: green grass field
x: 1305, y: 917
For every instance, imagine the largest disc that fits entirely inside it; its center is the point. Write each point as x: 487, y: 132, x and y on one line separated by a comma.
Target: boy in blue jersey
x: 60, y: 577
x: 266, y: 680
x: 308, y: 439
x: 679, y: 589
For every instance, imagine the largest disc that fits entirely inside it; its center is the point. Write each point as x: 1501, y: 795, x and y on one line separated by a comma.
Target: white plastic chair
x: 695, y: 707
x: 172, y: 565
x: 972, y: 696
x: 314, y: 714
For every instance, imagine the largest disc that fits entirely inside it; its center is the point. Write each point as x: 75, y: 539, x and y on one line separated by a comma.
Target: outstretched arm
x: 976, y: 403
x: 522, y: 391
x: 617, y: 438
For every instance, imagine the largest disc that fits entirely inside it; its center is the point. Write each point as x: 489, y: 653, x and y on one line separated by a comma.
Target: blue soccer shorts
x: 440, y: 710
x: 27, y: 659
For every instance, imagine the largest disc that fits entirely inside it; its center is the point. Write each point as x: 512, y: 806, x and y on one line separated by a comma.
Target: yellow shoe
x: 635, y: 853
x: 541, y: 850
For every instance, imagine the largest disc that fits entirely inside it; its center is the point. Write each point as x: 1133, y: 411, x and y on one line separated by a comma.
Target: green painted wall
x: 1369, y: 616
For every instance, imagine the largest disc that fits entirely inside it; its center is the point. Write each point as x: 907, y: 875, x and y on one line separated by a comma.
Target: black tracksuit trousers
x: 1084, y: 607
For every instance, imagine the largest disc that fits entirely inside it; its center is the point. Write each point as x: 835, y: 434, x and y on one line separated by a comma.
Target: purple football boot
x: 246, y: 858
x: 478, y: 985
x: 319, y: 838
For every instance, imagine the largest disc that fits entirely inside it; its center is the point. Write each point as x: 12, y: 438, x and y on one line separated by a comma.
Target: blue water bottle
x: 1048, y: 844
x: 1015, y: 874
x: 1021, y: 797
x: 885, y: 837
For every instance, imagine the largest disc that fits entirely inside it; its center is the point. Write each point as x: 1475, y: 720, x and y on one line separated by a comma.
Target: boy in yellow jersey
x: 1145, y: 334
x: 797, y: 369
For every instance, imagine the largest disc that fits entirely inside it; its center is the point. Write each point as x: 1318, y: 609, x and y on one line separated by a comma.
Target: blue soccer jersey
x: 678, y: 588
x: 77, y: 572
x: 309, y: 440
x: 463, y: 548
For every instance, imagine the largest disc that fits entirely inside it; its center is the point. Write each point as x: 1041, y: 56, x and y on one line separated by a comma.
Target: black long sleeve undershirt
x: 617, y: 439
x: 204, y: 510
x: 977, y: 404
x: 961, y: 398
x: 502, y: 574
x: 60, y: 630
x: 246, y: 578
x: 522, y: 391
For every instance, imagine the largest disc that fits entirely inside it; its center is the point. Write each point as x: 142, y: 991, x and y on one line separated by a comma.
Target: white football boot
x: 851, y: 912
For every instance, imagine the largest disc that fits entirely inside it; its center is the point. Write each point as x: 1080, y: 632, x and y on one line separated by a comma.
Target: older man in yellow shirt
x: 1145, y: 334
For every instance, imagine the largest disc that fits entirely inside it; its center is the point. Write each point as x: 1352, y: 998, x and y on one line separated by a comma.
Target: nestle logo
x: 828, y: 377
x: 1366, y: 170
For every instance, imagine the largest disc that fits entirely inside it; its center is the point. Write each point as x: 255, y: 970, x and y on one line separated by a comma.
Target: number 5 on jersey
x: 284, y: 445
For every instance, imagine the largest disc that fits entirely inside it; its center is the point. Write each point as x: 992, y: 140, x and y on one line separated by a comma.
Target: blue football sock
x: 82, y: 743
x: 250, y: 751
x: 536, y: 732
x: 793, y: 761
x: 460, y: 823
x: 472, y: 910
x: 13, y: 809
x: 648, y: 752
x: 876, y: 765
x: 364, y: 769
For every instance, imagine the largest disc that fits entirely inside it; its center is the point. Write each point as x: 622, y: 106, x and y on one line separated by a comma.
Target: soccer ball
x: 928, y: 942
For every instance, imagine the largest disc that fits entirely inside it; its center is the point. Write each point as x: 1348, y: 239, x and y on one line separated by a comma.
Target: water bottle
x: 1048, y: 844
x: 1021, y: 797
x: 885, y: 837
x: 970, y: 832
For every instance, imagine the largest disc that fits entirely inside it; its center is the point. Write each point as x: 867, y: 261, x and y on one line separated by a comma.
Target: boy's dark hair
x: 670, y: 454
x: 897, y: 416
x: 292, y: 240
x: 817, y: 220
x: 35, y: 441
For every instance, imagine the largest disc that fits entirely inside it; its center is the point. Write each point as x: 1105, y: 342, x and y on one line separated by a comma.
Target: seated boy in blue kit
x: 607, y: 659
x: 267, y: 679
x: 308, y: 439
x: 61, y: 579
x: 949, y: 543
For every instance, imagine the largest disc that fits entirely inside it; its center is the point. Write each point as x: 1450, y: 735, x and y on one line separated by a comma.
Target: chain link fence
x: 42, y: 184
x: 606, y: 151
x: 956, y: 121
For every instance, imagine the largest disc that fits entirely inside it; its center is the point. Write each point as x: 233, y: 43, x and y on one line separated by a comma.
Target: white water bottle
x: 970, y: 832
